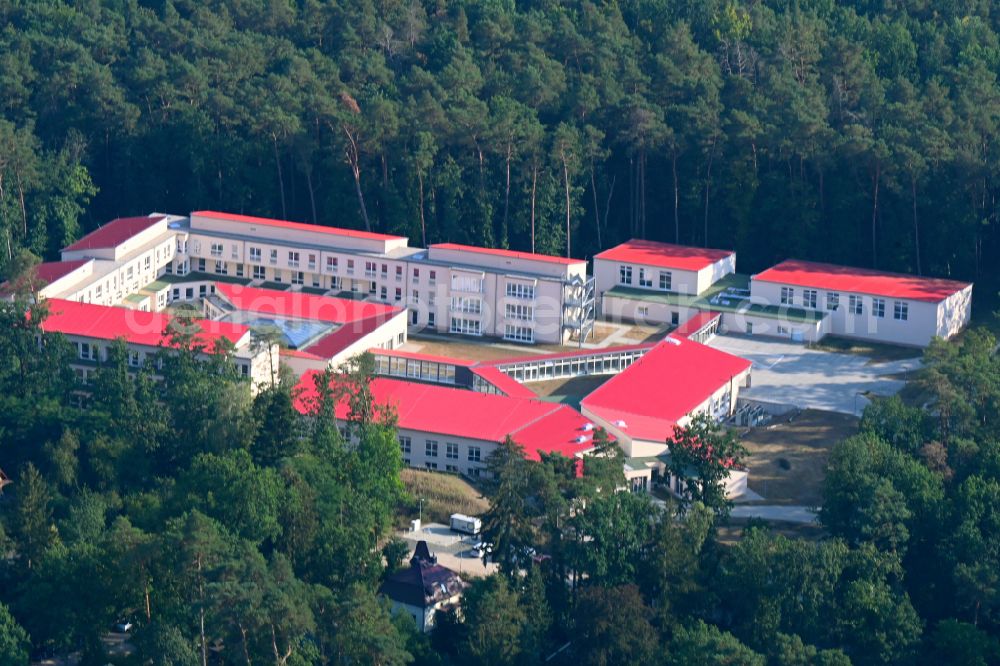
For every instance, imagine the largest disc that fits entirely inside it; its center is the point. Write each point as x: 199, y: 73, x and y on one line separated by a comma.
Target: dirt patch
x: 443, y: 495
x: 601, y: 332
x: 788, y: 459
x: 568, y: 391
x: 645, y: 333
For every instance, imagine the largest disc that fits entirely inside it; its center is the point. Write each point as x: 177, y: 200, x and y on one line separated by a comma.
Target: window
x: 85, y: 351
x: 451, y: 451
x: 430, y: 318
x: 474, y: 471
x: 522, y: 312
x: 370, y: 269
x: 201, y: 265
x: 475, y: 454
x: 451, y: 468
x: 259, y: 273
x: 470, y: 283
x: 518, y: 333
x: 416, y: 275
x: 433, y: 277
x: 900, y: 310
x: 809, y: 298
x: 465, y: 326
x: 133, y: 359
x: 399, y: 273
x: 274, y: 257
x: 383, y: 294
x: 644, y: 310
x: 129, y: 272
x: 399, y: 294
x: 221, y: 268
x: 415, y: 298
x: 316, y: 281
x: 832, y: 300
x: 625, y: 275
x: 298, y: 277
x: 239, y: 270
x: 666, y: 280
x: 644, y: 279
x: 335, y: 283
x: 523, y: 291
x: 255, y: 254
x: 431, y: 448
x: 854, y: 305
x: 331, y: 264
x: 782, y: 330
x: 675, y: 318
x: 350, y: 267
x: 404, y: 444
x: 787, y: 295
x: 216, y: 249
x: 385, y: 270
x: 236, y: 252
x: 293, y: 259
x: 312, y: 262
x: 878, y: 307
x: 466, y: 304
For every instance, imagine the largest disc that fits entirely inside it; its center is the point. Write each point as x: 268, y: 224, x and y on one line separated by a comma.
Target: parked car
x: 482, y: 549
x: 123, y: 626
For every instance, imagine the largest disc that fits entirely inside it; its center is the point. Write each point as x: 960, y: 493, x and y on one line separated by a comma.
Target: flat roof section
x: 114, y: 233
x: 105, y: 322
x: 832, y: 277
x: 509, y: 254
x: 298, y: 305
x: 663, y: 255
x: 665, y: 385
x: 297, y: 226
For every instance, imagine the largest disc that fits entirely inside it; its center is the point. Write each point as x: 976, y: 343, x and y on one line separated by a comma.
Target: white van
x: 467, y: 524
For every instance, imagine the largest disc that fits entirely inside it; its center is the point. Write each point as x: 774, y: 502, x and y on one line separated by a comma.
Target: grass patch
x: 878, y: 352
x: 443, y: 495
x: 732, y: 531
x: 788, y: 459
x: 568, y: 391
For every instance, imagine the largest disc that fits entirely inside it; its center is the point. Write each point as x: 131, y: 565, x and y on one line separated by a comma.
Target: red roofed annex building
x: 674, y: 380
x: 91, y: 329
x: 862, y: 303
x: 455, y: 430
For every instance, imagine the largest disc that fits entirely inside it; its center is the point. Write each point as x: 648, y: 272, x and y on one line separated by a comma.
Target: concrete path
x: 788, y: 514
x: 792, y: 374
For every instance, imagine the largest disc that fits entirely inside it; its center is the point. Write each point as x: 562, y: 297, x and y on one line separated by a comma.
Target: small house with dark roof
x: 423, y: 588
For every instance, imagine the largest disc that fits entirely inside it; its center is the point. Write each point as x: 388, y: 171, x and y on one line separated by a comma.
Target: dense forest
x: 233, y: 530
x: 859, y: 132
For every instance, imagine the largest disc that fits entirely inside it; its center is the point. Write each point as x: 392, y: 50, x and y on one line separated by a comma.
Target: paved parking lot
x: 453, y: 550
x: 788, y: 373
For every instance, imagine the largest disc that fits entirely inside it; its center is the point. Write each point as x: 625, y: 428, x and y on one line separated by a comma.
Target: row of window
x: 431, y: 448
x: 855, y: 304
x: 664, y: 279
x: 466, y: 326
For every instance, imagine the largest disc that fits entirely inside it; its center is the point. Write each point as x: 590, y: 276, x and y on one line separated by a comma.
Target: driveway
x: 787, y: 514
x: 791, y: 374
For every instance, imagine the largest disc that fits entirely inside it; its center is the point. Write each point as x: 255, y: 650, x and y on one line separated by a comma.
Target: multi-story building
x: 656, y: 282
x: 91, y: 329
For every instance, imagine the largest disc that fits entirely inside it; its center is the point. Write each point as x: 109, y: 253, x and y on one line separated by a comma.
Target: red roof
x: 664, y: 255
x: 53, y: 270
x: 114, y: 233
x: 503, y: 382
x: 860, y: 280
x: 447, y: 360
x: 695, y: 323
x: 330, y: 309
x: 509, y: 254
x: 298, y: 226
x: 664, y: 386
x: 142, y: 328
x: 538, y: 426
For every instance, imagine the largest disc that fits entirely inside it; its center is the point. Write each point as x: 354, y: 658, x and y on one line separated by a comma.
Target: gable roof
x: 665, y: 385
x: 296, y: 226
x: 508, y: 254
x: 114, y: 233
x: 537, y: 426
x: 51, y: 271
x: 860, y: 280
x: 664, y: 255
x: 422, y: 584
x: 104, y: 322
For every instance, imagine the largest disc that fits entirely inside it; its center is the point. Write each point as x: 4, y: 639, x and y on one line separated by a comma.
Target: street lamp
x: 420, y: 520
